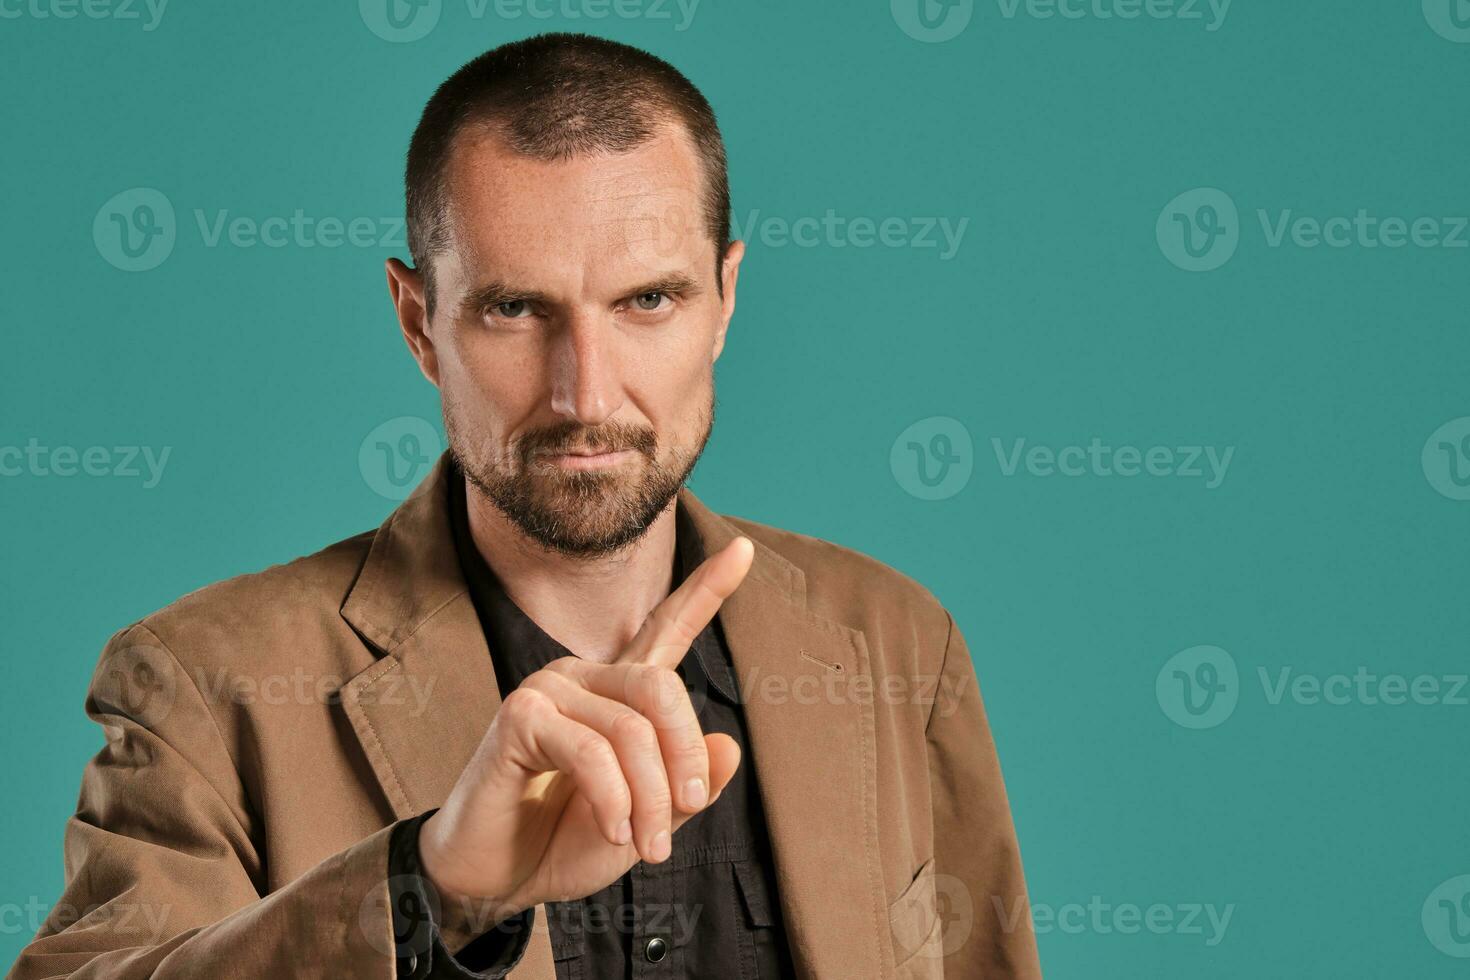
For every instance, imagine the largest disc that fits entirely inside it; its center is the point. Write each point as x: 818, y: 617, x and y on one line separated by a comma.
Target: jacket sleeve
x: 163, y: 878
x: 448, y: 948
x: 980, y: 890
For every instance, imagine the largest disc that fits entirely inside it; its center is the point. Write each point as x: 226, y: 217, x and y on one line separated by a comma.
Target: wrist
x: 467, y: 907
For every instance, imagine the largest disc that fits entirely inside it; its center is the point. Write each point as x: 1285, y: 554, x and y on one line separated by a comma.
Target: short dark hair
x: 555, y: 96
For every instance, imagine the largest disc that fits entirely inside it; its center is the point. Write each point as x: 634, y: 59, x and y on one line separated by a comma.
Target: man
x: 554, y: 718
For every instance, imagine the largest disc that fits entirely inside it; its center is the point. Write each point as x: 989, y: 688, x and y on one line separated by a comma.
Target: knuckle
x: 561, y: 666
x: 594, y: 751
x: 691, y: 752
x: 539, y: 682
x: 653, y: 678
x: 628, y: 725
x: 523, y: 704
x: 655, y: 797
x: 666, y: 690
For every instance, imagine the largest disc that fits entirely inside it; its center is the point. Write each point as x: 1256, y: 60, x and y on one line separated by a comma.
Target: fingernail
x: 624, y: 832
x: 661, y: 846
x: 695, y: 794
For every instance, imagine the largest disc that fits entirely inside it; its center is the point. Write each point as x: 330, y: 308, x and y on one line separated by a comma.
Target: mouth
x: 588, y: 459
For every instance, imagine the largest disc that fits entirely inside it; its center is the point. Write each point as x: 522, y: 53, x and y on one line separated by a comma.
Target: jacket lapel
x: 422, y: 708
x: 812, y: 743
x: 411, y: 604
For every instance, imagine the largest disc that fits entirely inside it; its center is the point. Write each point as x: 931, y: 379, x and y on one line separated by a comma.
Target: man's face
x: 577, y: 313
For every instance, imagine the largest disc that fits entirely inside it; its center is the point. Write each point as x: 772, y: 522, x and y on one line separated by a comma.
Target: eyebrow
x: 497, y: 291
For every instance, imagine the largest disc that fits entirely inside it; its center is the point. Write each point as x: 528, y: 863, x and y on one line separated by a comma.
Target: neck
x: 591, y: 607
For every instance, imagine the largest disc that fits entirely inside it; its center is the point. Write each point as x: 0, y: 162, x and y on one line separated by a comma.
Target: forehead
x: 625, y: 214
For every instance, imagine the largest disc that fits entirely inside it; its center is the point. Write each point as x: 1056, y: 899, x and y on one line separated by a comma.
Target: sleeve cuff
x: 421, y: 952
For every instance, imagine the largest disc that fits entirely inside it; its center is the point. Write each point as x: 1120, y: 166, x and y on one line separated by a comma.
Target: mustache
x: 573, y: 437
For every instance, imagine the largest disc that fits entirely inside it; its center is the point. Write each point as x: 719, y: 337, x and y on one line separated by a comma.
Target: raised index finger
x: 674, y: 623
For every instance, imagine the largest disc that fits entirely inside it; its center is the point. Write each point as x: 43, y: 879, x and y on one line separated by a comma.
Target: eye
x: 648, y: 302
x: 512, y: 310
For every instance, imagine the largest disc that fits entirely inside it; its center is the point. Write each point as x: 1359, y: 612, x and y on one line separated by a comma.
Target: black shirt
x: 711, y: 909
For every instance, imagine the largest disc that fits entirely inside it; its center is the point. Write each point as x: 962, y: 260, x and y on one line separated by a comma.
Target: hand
x: 586, y: 768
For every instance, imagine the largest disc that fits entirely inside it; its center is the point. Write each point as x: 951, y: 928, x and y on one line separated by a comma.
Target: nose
x: 586, y: 378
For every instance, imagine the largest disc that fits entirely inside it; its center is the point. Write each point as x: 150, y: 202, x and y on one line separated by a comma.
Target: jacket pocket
x: 913, y: 920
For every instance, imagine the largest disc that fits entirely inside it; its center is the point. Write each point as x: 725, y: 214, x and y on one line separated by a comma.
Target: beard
x: 580, y: 513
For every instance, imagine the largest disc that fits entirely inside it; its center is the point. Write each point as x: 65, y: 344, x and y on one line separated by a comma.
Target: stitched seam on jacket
x: 378, y: 742
x: 939, y: 679
x: 867, y: 738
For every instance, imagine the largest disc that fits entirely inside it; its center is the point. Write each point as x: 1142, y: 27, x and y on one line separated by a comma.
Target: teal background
x: 1325, y: 549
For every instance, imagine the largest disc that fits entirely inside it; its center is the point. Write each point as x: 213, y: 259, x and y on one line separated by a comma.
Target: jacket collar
x: 811, y: 728
x: 414, y: 547
x: 520, y: 646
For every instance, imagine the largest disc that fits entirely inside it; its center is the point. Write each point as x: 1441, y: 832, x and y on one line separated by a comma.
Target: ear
x: 406, y: 288
x: 729, y: 277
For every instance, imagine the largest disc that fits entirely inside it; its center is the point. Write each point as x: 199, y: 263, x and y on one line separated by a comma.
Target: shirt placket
x: 652, y: 949
x: 568, y: 941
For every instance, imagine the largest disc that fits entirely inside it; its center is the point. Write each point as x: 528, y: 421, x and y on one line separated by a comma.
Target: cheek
x: 672, y: 379
x: 675, y: 402
x: 493, y: 393
x: 496, y: 380
x: 678, y: 355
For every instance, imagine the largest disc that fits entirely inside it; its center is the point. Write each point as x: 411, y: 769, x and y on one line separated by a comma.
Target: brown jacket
x: 265, y: 733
